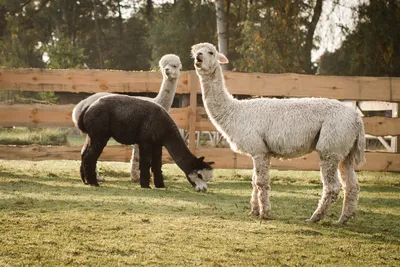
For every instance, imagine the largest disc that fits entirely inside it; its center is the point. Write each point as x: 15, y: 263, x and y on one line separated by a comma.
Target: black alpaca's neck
x: 178, y: 150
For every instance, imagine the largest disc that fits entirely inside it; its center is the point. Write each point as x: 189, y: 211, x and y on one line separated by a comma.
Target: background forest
x: 257, y: 35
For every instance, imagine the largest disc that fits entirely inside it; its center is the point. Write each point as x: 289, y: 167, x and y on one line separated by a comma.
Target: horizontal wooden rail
x: 38, y: 115
x: 259, y: 84
x: 81, y: 80
x: 299, y: 85
x: 224, y: 157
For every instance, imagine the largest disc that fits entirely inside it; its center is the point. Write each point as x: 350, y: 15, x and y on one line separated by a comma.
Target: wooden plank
x: 38, y: 115
x: 80, y: 80
x: 375, y: 105
x: 298, y: 85
x: 382, y: 126
x: 376, y: 126
x: 258, y: 84
x: 395, y: 145
x: 224, y: 158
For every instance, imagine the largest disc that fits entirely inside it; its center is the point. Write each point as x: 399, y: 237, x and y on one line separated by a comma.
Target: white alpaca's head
x: 170, y: 66
x: 207, y: 58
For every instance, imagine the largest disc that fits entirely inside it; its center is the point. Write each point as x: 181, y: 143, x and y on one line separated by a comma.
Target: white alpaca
x: 170, y: 66
x: 285, y: 128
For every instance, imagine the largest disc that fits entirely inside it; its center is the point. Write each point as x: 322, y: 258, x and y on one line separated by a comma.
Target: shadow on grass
x: 292, y: 203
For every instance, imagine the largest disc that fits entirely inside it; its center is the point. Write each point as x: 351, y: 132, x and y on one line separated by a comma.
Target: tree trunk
x: 221, y: 29
x: 120, y: 31
x: 307, y: 64
x: 149, y: 10
x: 97, y: 31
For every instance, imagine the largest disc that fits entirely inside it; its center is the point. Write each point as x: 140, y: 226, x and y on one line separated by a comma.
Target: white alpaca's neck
x: 217, y: 100
x: 167, y: 92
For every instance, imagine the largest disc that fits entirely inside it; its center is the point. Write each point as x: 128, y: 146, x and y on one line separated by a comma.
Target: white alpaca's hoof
x: 313, y: 220
x: 254, y: 212
x: 341, y: 222
x: 99, y: 178
x: 264, y: 216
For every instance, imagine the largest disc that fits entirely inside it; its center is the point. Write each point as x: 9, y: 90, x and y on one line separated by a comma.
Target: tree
x: 176, y: 27
x: 273, y: 37
x: 373, y: 48
x: 309, y: 40
x: 222, y: 29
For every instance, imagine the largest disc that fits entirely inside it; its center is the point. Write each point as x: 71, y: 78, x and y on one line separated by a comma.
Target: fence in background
x: 193, y: 118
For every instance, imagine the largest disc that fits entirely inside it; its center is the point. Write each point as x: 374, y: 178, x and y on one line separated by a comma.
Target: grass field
x: 49, y: 218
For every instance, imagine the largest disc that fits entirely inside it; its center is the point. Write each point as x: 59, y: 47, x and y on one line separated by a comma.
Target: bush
x: 29, y: 136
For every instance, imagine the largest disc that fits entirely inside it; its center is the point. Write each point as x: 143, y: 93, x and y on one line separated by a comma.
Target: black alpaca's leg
x: 156, y: 164
x: 89, y: 160
x: 144, y: 165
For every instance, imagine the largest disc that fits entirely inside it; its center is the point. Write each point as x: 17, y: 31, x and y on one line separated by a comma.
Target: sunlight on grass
x: 49, y: 218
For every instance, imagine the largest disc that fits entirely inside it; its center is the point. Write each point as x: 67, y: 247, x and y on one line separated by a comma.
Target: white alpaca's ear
x: 222, y: 59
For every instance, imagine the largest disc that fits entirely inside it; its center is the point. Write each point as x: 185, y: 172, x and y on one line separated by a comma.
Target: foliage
x: 273, y: 37
x: 178, y: 26
x: 265, y: 36
x: 24, y: 97
x: 373, y: 48
x: 49, y: 218
x: 63, y: 55
x: 29, y: 136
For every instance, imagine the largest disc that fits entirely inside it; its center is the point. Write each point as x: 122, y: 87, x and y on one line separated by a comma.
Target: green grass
x: 28, y: 136
x: 49, y: 218
x: 78, y: 140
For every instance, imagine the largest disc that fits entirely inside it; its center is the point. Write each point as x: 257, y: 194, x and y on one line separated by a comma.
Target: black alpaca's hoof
x: 159, y: 186
x: 95, y: 184
x: 145, y: 186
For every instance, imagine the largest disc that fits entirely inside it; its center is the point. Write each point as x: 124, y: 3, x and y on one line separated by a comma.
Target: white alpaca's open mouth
x: 198, y: 63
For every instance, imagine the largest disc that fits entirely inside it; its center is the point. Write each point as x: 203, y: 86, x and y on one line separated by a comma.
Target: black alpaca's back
x: 128, y: 120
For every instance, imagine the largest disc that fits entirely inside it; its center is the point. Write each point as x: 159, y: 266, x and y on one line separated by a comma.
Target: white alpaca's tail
x: 357, y: 152
x: 75, y: 116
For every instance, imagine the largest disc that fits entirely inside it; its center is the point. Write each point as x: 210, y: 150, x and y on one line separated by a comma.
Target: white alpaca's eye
x: 211, y: 53
x: 174, y: 66
x: 200, y: 176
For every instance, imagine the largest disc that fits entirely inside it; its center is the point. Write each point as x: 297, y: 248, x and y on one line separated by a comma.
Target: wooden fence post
x: 192, y: 114
x: 396, y: 139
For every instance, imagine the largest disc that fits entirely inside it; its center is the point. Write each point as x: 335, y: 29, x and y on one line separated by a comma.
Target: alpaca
x: 170, y: 66
x: 285, y: 128
x: 130, y: 120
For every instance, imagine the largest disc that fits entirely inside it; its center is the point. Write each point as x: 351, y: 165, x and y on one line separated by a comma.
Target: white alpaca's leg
x: 351, y: 189
x: 135, y: 173
x: 255, y: 208
x: 261, y: 166
x: 331, y: 187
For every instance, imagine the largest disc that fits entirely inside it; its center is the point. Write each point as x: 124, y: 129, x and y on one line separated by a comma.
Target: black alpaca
x: 131, y: 120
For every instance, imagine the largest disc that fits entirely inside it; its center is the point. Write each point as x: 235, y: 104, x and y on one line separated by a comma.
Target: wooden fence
x: 191, y: 118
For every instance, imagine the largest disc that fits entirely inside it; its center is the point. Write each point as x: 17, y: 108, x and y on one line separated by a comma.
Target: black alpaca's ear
x: 201, y: 159
x: 210, y: 162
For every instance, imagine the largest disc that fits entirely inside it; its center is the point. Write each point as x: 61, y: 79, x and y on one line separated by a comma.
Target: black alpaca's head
x: 201, y: 174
